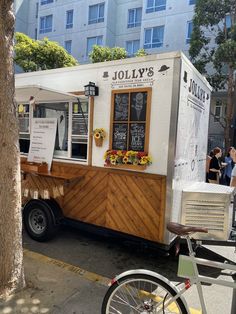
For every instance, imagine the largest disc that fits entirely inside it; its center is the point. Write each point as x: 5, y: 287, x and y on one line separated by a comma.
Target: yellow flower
x: 101, y: 132
x: 113, y: 162
x: 125, y: 159
x: 97, y: 135
x: 113, y: 157
x: 143, y: 161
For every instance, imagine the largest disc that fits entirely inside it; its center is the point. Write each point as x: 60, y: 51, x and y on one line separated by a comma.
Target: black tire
x: 140, y: 293
x: 39, y: 220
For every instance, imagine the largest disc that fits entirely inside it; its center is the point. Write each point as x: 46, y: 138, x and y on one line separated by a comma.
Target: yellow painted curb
x: 74, y: 269
x: 78, y: 271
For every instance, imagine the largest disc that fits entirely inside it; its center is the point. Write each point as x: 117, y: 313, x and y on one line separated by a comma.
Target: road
x: 107, y: 257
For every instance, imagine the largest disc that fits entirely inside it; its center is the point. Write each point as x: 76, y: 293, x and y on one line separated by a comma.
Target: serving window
x: 130, y: 120
x: 72, y: 127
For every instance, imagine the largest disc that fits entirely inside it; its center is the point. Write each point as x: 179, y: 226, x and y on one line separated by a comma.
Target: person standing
x: 214, y: 167
x: 233, y: 173
x: 229, y: 166
x: 208, y: 159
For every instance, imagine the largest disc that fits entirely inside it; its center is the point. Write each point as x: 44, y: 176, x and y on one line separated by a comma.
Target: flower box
x: 127, y: 159
x: 127, y: 166
x: 98, y: 141
x: 99, y: 135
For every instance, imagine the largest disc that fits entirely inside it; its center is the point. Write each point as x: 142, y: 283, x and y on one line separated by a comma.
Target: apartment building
x: 156, y: 25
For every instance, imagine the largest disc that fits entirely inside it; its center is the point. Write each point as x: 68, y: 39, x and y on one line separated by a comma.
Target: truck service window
x: 72, y: 127
x: 130, y: 120
x: 60, y: 111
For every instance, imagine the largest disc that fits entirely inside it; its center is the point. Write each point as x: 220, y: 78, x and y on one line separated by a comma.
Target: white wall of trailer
x: 192, y: 133
x: 124, y: 74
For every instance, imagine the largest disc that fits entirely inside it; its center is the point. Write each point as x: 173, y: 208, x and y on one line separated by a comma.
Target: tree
x: 11, y: 256
x: 101, y: 54
x: 34, y: 55
x: 216, y: 19
x: 141, y: 53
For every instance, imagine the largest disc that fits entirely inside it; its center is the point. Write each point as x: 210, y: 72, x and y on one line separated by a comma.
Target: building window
x: 228, y: 22
x: 154, y: 37
x: 218, y: 110
x: 91, y: 41
x: 130, y: 120
x: 35, y: 33
x: 192, y: 2
x: 134, y: 17
x: 132, y: 46
x: 96, y: 13
x: 68, y: 45
x: 46, y: 2
x: 155, y: 5
x: 37, y: 10
x: 189, y: 31
x: 69, y: 19
x: 45, y: 24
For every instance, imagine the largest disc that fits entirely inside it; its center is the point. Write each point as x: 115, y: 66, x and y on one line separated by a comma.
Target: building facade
x: 155, y: 25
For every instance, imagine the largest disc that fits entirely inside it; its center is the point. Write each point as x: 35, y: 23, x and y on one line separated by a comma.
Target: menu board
x: 138, y: 106
x: 42, y: 140
x: 121, y: 106
x: 79, y: 126
x: 137, y: 136
x: 120, y: 133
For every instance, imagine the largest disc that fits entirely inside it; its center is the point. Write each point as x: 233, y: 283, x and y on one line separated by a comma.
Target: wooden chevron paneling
x: 135, y: 208
x: 129, y: 202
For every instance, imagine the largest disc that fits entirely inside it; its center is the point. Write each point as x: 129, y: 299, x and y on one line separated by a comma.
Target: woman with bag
x: 215, y: 168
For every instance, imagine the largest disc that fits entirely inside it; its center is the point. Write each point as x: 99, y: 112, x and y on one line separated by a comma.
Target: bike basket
x: 185, y: 267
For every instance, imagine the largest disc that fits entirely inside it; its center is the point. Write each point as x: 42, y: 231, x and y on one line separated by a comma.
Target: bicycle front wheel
x: 140, y: 293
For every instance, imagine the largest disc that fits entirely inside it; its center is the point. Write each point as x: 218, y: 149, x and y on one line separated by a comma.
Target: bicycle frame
x: 188, y: 269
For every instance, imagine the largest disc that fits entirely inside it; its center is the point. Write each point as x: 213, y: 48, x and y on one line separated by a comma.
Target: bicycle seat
x: 182, y: 230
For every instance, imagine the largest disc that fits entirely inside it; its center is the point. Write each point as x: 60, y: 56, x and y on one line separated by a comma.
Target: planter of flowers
x: 99, y: 135
x: 127, y: 159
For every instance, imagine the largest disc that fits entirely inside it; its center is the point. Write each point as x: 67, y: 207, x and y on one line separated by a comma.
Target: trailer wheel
x: 40, y: 220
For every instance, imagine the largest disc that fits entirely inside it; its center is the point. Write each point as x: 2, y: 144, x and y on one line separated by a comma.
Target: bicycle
x: 146, y: 292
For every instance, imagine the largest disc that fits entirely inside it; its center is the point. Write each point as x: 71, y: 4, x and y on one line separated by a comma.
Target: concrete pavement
x: 56, y: 287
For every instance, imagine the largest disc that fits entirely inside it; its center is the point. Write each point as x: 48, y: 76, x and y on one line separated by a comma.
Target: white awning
x: 42, y: 94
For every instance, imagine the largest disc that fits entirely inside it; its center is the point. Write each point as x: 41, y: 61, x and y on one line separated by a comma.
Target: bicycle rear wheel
x: 140, y: 293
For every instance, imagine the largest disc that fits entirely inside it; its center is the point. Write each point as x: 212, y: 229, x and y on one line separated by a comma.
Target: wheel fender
x: 153, y: 274
x: 56, y: 210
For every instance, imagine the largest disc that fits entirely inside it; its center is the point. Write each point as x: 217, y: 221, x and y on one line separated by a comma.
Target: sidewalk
x: 56, y: 288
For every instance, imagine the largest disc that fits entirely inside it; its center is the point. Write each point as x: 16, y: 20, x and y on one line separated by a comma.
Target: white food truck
x: 154, y: 111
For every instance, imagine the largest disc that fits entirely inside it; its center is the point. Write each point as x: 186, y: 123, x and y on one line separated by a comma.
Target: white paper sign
x: 42, y: 140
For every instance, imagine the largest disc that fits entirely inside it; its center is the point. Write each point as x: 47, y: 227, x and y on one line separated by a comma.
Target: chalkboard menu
x: 120, y: 133
x: 79, y: 125
x: 121, y: 106
x: 130, y: 120
x: 138, y: 106
x: 137, y: 136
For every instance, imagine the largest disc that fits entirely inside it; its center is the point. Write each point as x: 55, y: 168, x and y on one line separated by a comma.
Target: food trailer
x: 112, y: 144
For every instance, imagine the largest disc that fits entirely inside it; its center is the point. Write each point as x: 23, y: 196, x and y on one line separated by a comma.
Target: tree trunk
x: 229, y: 128
x: 11, y: 252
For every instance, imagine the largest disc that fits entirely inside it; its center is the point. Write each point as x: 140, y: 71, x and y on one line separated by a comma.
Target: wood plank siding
x: 125, y: 201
